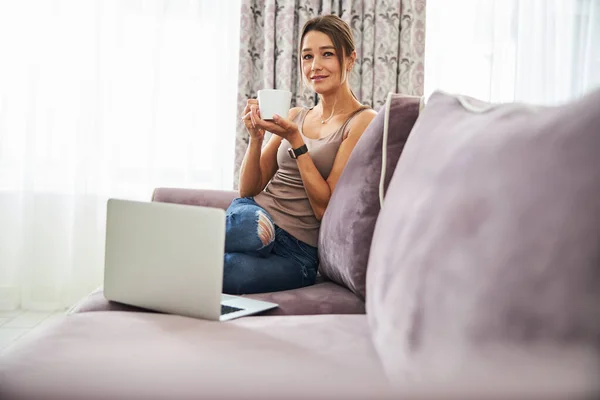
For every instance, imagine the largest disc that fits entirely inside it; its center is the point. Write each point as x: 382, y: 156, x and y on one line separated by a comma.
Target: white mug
x: 274, y: 101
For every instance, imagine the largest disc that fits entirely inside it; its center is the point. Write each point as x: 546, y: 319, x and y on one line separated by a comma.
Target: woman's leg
x: 246, y: 274
x: 249, y: 228
x: 291, y: 264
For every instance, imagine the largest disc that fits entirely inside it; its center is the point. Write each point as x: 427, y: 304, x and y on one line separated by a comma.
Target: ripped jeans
x: 260, y: 256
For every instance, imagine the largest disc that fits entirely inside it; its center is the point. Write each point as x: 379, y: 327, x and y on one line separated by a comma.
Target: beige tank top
x: 285, y: 198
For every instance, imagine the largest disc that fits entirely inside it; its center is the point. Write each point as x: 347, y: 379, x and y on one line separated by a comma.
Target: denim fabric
x: 252, y: 266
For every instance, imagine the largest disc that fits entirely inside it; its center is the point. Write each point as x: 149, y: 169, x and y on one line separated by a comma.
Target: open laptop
x: 169, y: 258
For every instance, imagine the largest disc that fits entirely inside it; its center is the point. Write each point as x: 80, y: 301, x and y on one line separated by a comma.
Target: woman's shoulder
x: 294, y: 112
x: 360, y: 121
x: 366, y: 115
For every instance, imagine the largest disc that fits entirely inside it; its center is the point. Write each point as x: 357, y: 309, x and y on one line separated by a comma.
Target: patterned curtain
x: 389, y: 38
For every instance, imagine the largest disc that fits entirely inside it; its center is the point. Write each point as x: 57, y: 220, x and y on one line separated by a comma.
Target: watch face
x: 291, y: 153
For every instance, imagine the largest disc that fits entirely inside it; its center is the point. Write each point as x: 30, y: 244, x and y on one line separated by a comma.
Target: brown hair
x: 338, y: 31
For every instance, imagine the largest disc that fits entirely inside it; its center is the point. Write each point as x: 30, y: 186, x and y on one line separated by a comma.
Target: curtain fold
x: 99, y: 99
x: 390, y: 45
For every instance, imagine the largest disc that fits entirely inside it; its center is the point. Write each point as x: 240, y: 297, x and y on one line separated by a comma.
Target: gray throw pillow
x: 486, y: 254
x: 348, y: 223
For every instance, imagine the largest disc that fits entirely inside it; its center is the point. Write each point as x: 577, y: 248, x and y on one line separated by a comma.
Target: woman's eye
x: 307, y: 57
x: 328, y: 54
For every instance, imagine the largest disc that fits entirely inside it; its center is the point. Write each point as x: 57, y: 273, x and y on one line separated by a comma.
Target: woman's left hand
x: 281, y: 127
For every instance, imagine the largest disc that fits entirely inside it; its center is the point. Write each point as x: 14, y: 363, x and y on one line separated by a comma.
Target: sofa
x: 325, y: 297
x: 459, y: 258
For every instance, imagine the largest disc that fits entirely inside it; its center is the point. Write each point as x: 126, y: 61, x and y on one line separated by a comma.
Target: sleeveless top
x: 285, y: 198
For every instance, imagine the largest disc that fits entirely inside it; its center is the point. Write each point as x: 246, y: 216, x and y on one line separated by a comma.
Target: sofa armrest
x: 196, y: 197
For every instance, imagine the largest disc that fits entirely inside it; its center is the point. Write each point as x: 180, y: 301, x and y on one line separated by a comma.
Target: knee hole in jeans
x: 266, y: 230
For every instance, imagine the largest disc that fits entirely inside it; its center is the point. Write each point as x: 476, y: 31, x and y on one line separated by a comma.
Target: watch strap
x: 295, y: 153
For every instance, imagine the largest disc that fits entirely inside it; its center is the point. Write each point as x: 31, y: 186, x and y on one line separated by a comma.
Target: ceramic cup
x: 274, y: 101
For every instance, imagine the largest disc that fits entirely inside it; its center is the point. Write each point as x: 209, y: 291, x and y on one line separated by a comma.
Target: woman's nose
x: 315, y: 65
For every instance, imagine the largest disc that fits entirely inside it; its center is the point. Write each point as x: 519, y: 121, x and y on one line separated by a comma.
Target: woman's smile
x: 318, y: 78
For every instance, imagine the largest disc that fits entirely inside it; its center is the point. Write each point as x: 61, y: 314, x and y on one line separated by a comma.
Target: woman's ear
x: 351, y: 61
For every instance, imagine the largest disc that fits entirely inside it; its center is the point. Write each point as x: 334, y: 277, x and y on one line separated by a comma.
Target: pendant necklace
x: 324, y: 121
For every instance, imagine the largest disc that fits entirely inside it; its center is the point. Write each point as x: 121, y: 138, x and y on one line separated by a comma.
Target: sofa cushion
x: 96, y: 301
x: 322, y: 298
x: 196, y: 197
x: 486, y: 253
x: 121, y: 355
x: 348, y: 223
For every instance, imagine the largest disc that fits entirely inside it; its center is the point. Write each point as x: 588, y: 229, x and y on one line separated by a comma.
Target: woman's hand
x: 280, y: 126
x: 254, y: 131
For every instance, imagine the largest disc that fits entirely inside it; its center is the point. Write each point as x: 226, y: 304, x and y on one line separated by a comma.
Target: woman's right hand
x: 251, y: 115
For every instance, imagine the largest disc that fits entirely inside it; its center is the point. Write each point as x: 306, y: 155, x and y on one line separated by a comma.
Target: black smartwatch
x: 295, y: 153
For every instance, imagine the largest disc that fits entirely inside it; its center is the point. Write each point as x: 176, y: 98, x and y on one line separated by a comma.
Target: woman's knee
x: 265, y: 227
x: 249, y: 228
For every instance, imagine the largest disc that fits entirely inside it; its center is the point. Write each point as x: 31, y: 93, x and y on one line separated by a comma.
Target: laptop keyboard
x: 228, y: 309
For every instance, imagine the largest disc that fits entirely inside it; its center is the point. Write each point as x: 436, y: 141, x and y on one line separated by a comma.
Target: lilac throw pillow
x: 348, y: 223
x: 486, y: 254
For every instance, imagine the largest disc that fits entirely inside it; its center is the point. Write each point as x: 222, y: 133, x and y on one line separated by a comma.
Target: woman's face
x: 320, y: 65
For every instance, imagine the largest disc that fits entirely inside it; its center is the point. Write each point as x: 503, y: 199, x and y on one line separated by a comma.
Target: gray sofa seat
x: 124, y: 355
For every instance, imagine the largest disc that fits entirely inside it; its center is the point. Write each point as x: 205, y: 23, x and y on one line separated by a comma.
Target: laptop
x: 169, y: 258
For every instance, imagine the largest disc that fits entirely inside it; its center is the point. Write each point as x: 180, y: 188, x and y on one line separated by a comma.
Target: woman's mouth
x: 318, y: 78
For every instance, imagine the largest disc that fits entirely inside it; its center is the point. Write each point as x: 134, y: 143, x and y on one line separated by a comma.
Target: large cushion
x: 348, y: 223
x: 486, y: 254
x: 120, y: 355
x: 321, y: 298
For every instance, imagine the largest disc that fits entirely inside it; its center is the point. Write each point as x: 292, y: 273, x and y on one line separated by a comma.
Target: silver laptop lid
x: 165, y: 257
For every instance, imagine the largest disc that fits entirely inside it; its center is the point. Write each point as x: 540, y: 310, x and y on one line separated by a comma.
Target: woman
x: 272, y: 229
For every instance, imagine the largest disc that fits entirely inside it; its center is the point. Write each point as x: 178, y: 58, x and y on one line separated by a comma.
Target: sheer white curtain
x: 98, y: 99
x: 538, y: 51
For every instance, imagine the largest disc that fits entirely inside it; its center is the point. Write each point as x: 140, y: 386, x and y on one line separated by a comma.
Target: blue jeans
x: 260, y: 256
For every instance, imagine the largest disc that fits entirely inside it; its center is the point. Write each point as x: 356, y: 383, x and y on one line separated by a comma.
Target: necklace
x: 324, y: 121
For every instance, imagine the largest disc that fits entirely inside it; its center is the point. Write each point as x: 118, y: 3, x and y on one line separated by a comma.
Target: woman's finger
x: 253, y: 115
x: 255, y: 111
x: 247, y: 118
x: 283, y: 123
x: 269, y: 126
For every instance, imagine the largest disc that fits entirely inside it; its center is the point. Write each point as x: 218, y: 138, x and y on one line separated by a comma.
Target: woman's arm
x: 318, y: 189
x: 251, y: 171
x: 356, y: 128
x: 259, y: 165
